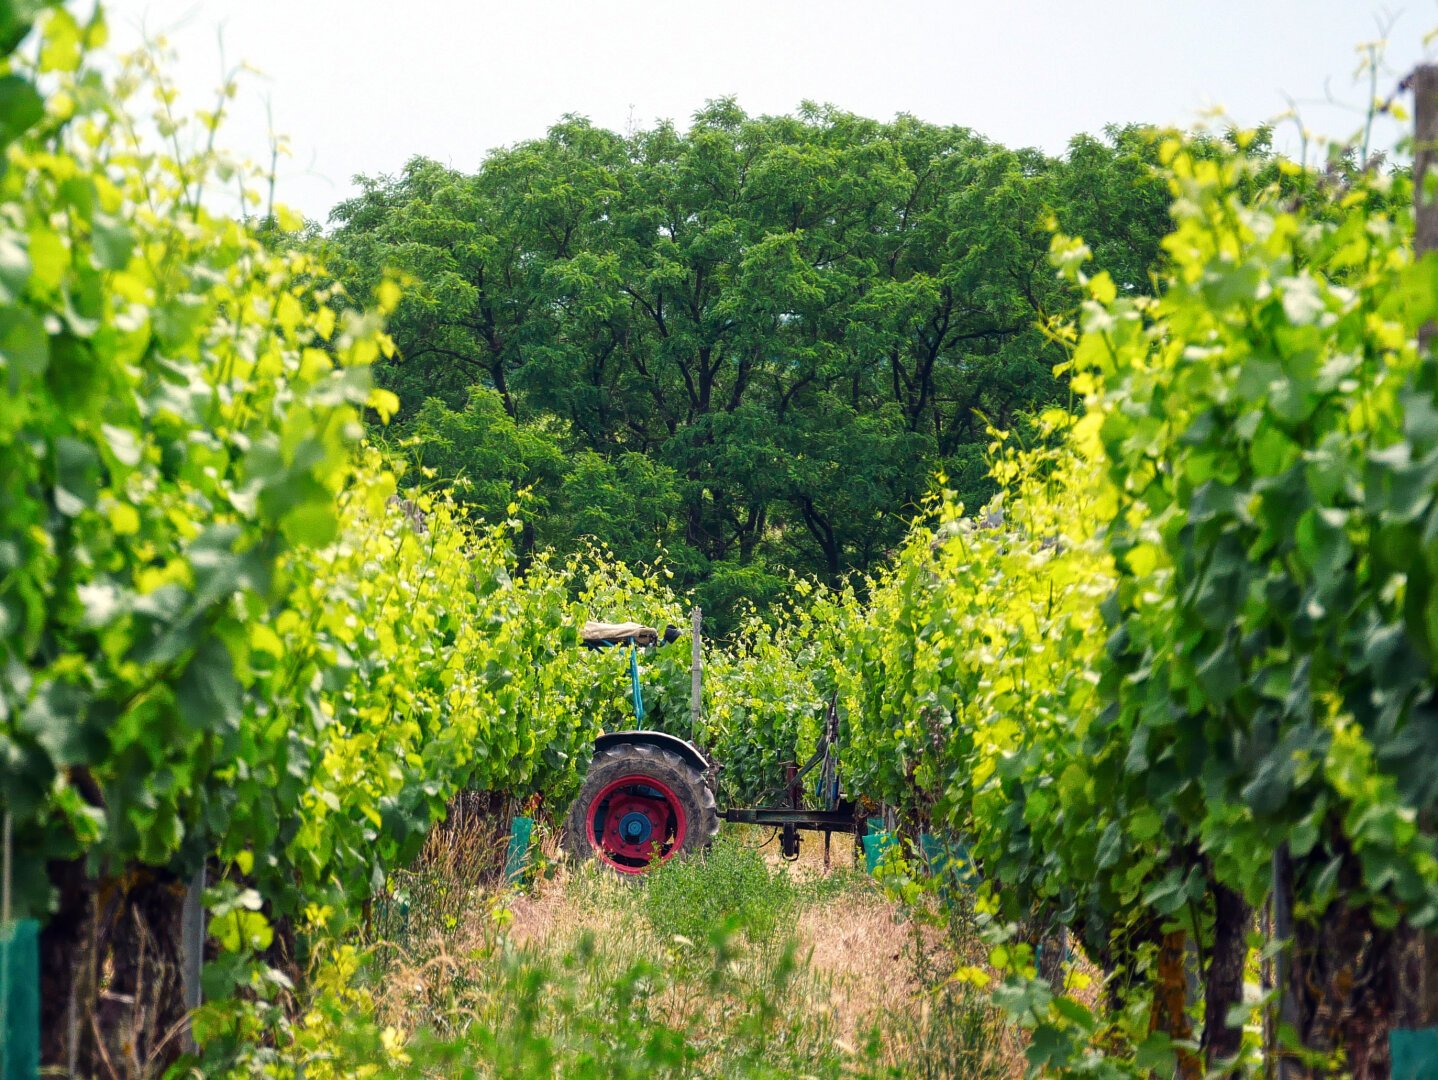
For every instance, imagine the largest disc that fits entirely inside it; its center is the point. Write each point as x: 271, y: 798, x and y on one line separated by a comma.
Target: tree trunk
x: 1223, y: 984
x: 1343, y: 979
x: 128, y: 929
x: 141, y: 1013
x: 1415, y: 978
x: 63, y: 950
x: 1339, y: 986
x: 1170, y: 1001
x: 1053, y: 947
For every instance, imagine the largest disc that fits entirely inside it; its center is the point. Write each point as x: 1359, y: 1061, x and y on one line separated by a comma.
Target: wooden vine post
x: 1417, y: 1004
x: 192, y: 949
x: 1425, y: 145
x: 1281, y: 900
x: 696, y: 673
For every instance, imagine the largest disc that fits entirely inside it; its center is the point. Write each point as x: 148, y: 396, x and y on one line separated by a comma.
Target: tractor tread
x: 612, y: 762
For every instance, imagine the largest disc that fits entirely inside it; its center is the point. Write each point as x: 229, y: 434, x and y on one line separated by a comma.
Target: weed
x: 729, y: 885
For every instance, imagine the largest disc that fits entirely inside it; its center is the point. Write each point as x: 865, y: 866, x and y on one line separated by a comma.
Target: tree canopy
x: 750, y: 345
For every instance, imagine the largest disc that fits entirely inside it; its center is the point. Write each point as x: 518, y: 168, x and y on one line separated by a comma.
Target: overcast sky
x: 359, y: 86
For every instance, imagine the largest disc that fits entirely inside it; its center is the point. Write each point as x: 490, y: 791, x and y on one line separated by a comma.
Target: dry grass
x: 469, y: 845
x: 864, y: 964
x: 889, y: 967
x: 863, y: 949
x: 584, y: 934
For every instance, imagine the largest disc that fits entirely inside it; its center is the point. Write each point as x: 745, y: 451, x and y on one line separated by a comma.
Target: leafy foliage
x: 1266, y: 430
x: 180, y: 412
x: 1181, y: 662
x: 1189, y: 643
x: 795, y: 319
x: 231, y: 641
x: 767, y: 691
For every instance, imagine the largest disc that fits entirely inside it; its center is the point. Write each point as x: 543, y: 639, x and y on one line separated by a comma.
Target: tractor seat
x: 603, y: 635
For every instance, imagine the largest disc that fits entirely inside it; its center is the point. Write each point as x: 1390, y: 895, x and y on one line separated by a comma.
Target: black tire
x: 687, y: 785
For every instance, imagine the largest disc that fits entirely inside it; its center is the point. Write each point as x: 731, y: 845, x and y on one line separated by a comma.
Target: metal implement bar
x: 841, y: 820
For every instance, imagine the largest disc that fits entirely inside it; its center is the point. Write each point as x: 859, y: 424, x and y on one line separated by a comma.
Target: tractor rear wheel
x: 639, y: 805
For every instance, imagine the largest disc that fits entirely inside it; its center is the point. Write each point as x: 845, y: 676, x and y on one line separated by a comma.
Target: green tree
x: 489, y: 459
x: 801, y: 318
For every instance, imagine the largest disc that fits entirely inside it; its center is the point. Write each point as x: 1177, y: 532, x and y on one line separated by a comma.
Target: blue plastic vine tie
x: 634, y: 678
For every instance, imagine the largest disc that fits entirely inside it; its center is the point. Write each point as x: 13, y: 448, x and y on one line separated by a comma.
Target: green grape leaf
x: 21, y: 107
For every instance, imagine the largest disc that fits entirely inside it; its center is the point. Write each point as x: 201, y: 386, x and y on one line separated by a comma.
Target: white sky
x: 359, y: 86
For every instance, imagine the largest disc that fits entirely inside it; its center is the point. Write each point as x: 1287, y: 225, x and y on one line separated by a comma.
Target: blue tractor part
x: 636, y: 689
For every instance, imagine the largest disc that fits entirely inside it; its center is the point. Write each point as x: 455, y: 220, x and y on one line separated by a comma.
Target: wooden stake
x: 6, y: 842
x: 1281, y: 897
x: 1422, y: 1009
x: 696, y: 673
x: 192, y: 948
x: 1425, y: 146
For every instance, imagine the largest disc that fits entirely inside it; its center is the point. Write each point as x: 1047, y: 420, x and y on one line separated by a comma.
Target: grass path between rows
x: 734, y: 964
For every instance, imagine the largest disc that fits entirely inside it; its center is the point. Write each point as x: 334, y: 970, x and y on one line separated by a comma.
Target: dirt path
x: 844, y: 970
x: 874, y: 962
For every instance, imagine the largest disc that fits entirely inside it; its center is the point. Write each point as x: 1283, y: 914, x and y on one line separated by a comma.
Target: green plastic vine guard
x: 20, y: 1000
x: 949, y: 859
x: 516, y: 859
x: 876, y: 841
x: 1414, y: 1053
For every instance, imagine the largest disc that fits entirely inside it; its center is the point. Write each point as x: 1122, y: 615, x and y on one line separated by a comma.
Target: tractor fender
x: 663, y: 741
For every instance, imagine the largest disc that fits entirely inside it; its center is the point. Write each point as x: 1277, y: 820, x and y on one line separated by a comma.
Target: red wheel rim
x: 633, y: 820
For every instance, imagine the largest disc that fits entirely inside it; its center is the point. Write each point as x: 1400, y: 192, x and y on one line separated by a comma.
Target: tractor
x: 648, y: 795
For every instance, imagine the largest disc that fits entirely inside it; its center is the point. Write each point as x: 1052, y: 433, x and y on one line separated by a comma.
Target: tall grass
x: 717, y: 965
